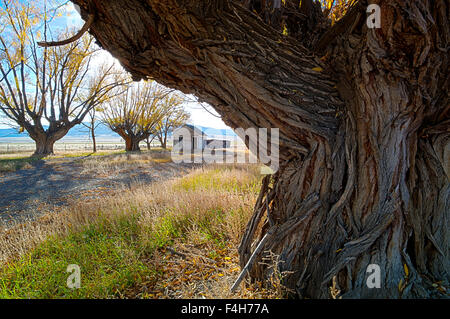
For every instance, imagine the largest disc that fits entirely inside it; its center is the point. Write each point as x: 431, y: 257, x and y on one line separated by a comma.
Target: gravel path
x: 27, y: 193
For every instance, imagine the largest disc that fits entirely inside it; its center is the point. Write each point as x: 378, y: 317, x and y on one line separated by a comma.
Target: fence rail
x: 7, y: 148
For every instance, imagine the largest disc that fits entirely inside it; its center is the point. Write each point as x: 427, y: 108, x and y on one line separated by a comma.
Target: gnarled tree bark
x: 132, y: 145
x: 363, y: 119
x: 46, y: 139
x: 131, y: 141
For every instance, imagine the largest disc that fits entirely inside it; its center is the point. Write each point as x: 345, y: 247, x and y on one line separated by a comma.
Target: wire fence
x: 13, y: 148
x: 64, y: 147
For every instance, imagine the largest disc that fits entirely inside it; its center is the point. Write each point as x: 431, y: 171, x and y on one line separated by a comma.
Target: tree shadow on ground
x: 15, y: 164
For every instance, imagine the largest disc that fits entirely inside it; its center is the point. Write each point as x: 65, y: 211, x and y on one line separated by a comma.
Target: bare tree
x: 135, y: 114
x: 47, y: 91
x: 91, y: 125
x: 174, y: 116
x: 360, y: 96
x: 149, y: 141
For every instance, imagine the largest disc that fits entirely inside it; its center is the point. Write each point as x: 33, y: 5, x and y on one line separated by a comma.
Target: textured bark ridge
x: 46, y: 139
x: 363, y: 119
x: 132, y: 145
x: 44, y: 147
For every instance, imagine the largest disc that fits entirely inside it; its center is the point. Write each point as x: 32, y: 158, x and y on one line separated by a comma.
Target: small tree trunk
x: 94, y: 142
x: 162, y: 141
x: 148, y: 143
x: 165, y: 141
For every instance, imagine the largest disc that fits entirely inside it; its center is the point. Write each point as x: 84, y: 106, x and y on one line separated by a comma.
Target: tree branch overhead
x: 360, y: 181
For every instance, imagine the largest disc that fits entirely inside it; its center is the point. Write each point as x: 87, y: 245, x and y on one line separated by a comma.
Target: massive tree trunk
x: 363, y: 119
x: 45, y: 140
x: 44, y: 146
x: 131, y: 140
x: 132, y: 145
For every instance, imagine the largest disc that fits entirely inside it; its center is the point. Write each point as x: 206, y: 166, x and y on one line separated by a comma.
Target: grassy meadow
x: 174, y: 239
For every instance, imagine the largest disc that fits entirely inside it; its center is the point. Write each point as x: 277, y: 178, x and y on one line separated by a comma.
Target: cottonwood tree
x: 135, y: 113
x: 174, y: 116
x: 363, y: 114
x: 46, y: 91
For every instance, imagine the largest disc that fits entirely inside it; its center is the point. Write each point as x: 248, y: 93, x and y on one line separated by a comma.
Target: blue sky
x: 67, y: 16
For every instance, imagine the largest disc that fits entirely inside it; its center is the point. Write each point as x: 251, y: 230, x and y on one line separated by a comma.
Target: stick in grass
x: 250, y: 262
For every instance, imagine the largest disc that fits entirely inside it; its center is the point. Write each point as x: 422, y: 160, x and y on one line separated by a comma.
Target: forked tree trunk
x: 149, y: 142
x: 363, y: 119
x: 132, y: 145
x: 380, y: 193
x: 45, y: 140
x: 131, y: 141
x: 44, y: 146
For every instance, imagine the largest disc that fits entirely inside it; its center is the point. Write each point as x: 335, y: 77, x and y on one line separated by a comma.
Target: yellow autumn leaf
x: 405, y: 267
x: 317, y: 69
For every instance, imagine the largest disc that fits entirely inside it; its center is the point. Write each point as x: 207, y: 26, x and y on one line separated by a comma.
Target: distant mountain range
x: 215, y: 132
x: 78, y: 132
x: 102, y: 132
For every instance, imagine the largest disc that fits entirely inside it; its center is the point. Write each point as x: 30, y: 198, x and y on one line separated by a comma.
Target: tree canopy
x: 135, y: 113
x: 175, y: 116
x: 47, y: 91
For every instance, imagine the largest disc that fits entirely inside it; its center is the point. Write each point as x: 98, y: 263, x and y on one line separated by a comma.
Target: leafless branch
x: 77, y: 36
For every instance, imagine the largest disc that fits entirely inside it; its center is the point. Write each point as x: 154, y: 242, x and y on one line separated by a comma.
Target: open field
x: 16, y: 161
x: 173, y: 239
x: 28, y: 148
x: 8, y: 150
x: 31, y: 186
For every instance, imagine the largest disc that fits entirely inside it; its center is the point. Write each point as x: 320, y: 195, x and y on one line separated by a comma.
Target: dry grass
x: 119, y: 162
x: 14, y: 164
x: 17, y: 161
x: 183, y: 231
x: 15, y: 155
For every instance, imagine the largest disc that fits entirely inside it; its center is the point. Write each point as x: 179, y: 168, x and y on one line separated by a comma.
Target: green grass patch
x: 211, y: 180
x: 115, y: 251
x: 16, y: 163
x: 112, y: 255
x: 107, y: 252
